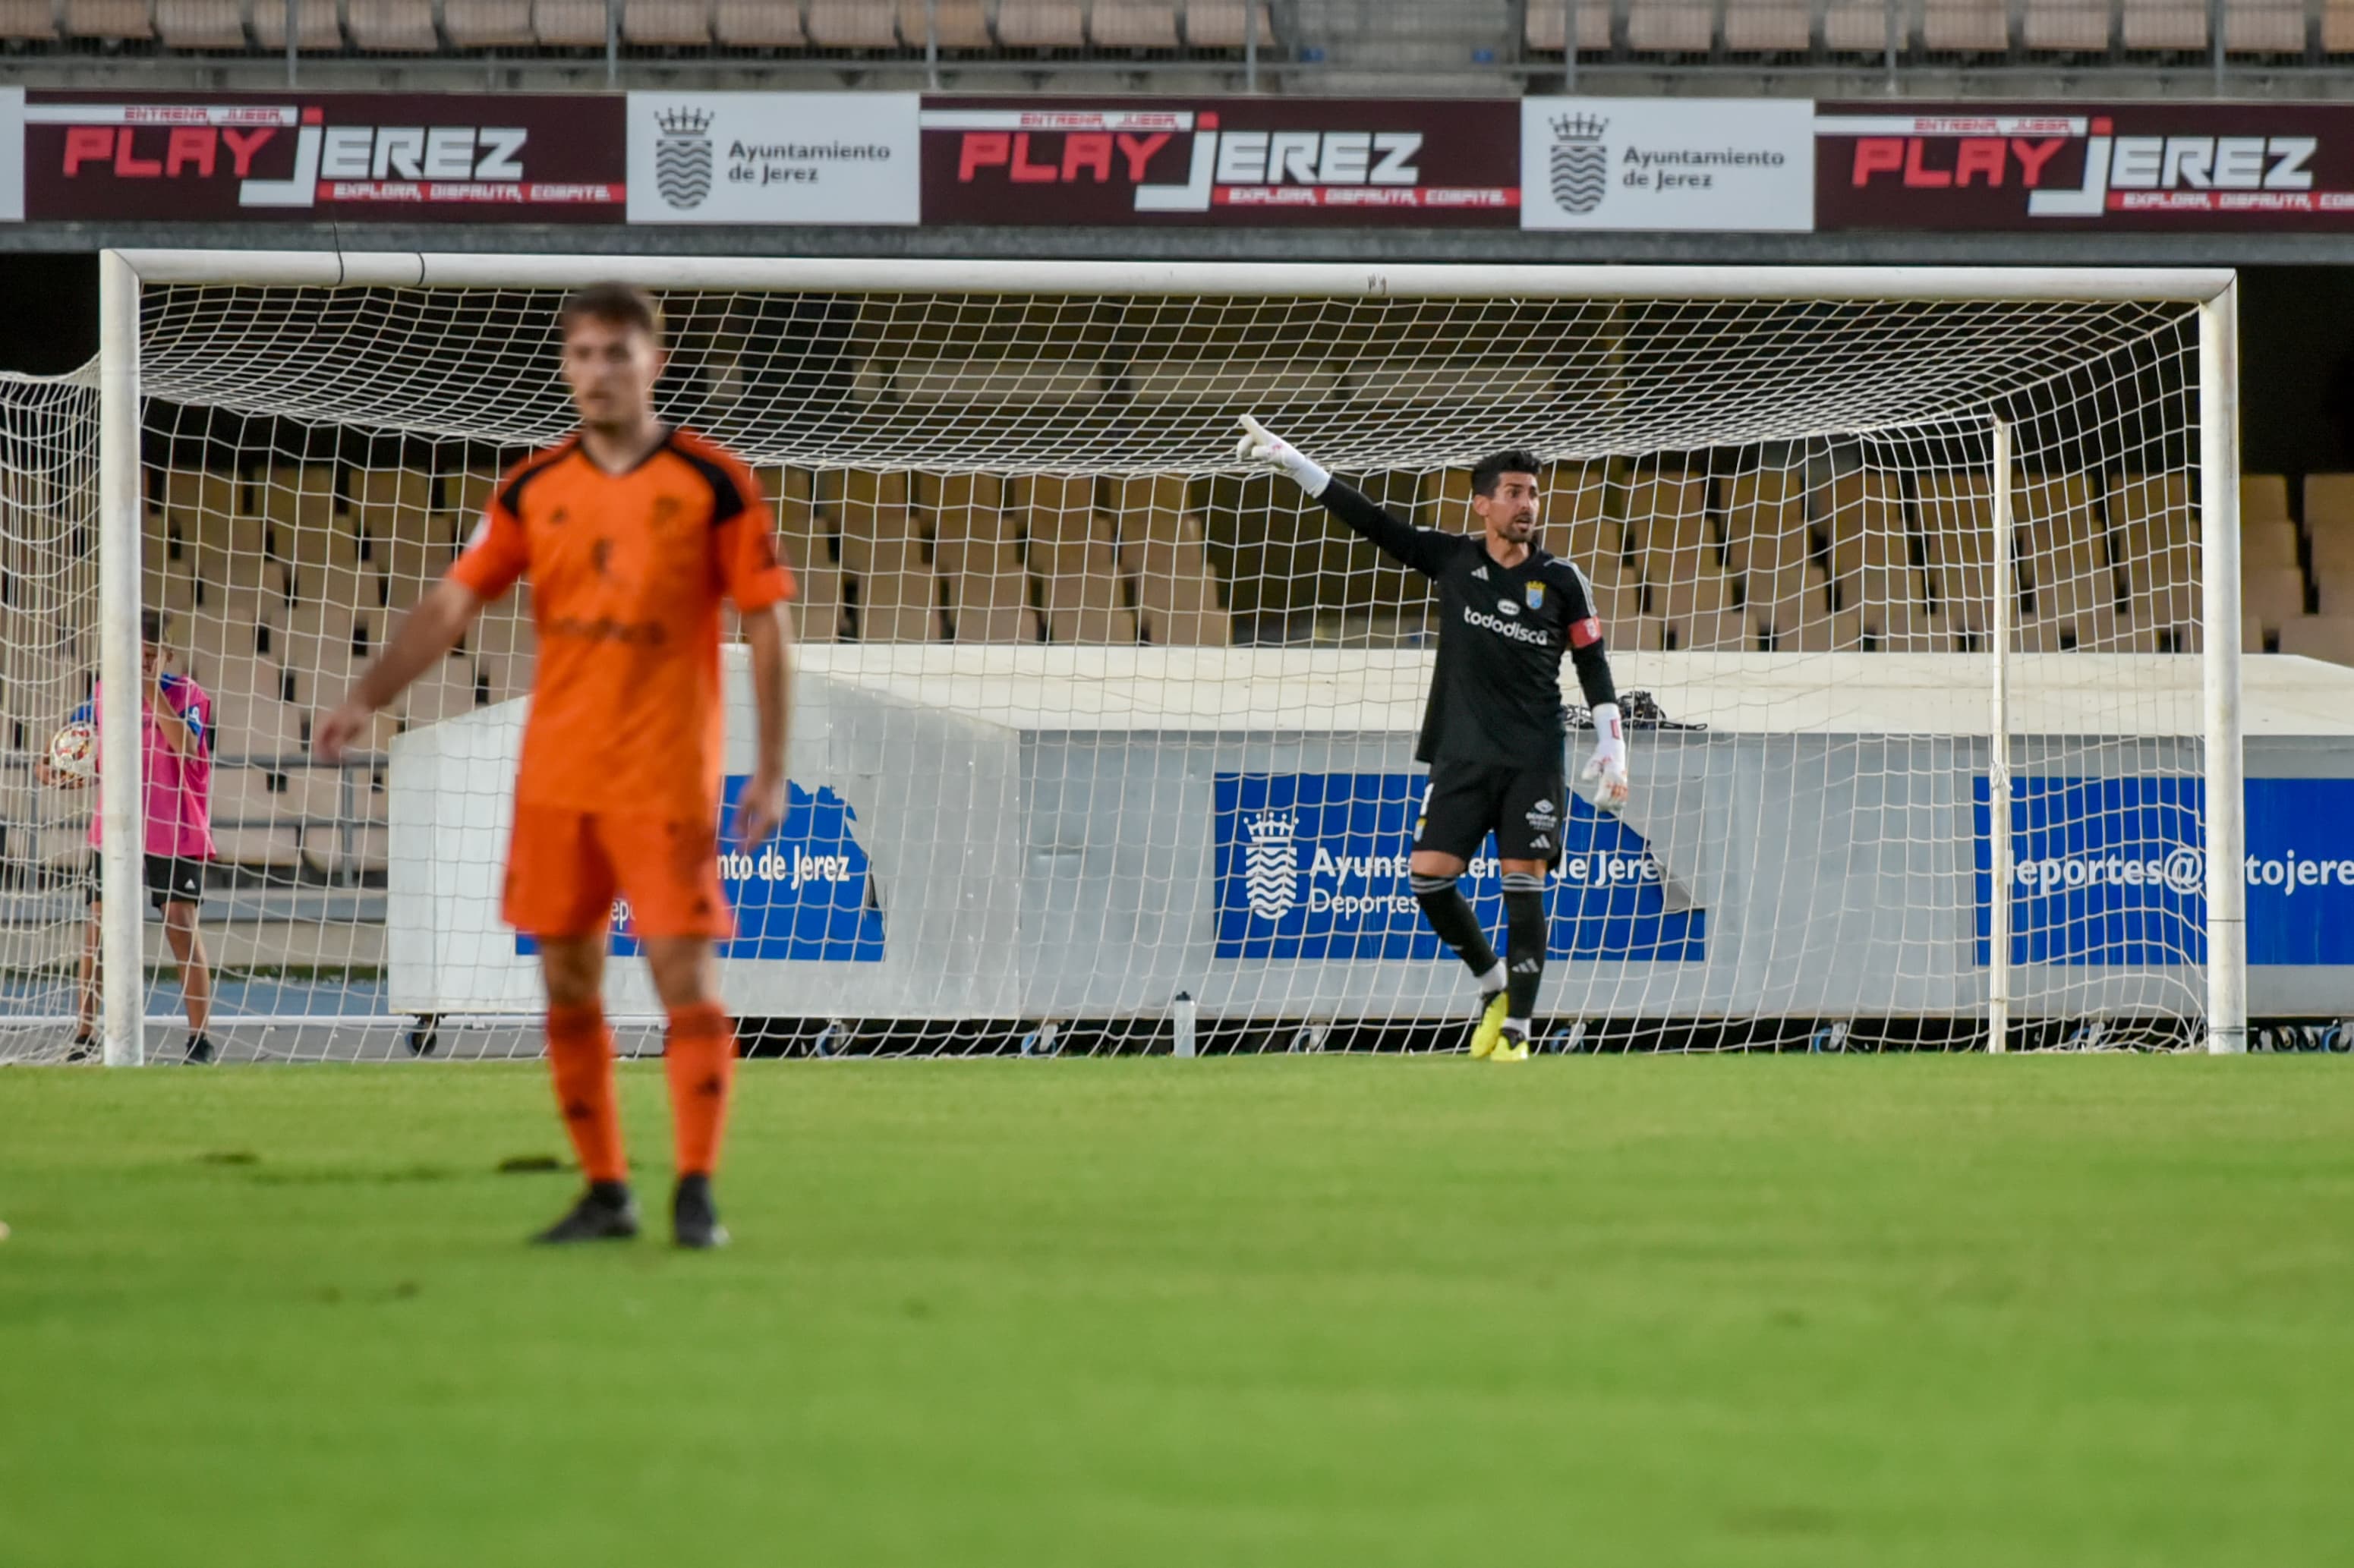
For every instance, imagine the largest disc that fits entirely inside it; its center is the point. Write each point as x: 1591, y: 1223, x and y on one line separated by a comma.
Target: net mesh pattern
x: 1092, y: 718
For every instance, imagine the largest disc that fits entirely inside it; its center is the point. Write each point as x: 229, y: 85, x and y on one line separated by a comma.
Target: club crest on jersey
x: 1536, y: 596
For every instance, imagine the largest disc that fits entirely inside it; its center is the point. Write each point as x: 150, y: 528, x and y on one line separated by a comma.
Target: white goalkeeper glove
x: 1605, y: 772
x: 1258, y: 446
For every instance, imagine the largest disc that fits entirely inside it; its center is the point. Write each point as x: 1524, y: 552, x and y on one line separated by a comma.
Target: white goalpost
x: 1930, y: 574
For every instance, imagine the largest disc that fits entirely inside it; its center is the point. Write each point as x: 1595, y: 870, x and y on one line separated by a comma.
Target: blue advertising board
x: 2113, y: 871
x: 1313, y: 865
x: 807, y: 895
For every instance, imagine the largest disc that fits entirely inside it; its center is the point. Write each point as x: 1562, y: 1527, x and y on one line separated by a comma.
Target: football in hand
x: 73, y: 751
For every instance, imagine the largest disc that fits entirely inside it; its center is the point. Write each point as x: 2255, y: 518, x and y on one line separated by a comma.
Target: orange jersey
x: 626, y: 572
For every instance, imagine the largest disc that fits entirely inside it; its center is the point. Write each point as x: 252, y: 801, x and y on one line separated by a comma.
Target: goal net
x: 1101, y: 742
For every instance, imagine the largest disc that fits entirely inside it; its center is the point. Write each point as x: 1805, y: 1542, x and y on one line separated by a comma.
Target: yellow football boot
x: 1512, y: 1045
x: 1491, y: 1027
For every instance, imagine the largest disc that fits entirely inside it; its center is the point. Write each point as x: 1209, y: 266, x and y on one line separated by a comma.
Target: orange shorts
x: 565, y: 868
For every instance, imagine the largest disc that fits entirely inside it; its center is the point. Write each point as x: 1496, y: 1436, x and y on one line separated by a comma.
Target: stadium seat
x: 1859, y: 26
x: 1042, y: 24
x: 878, y: 529
x: 1545, y: 30
x: 2337, y: 26
x: 201, y: 23
x: 2328, y: 503
x: 1661, y: 501
x: 1671, y: 26
x: 2065, y: 27
x: 1766, y: 527
x: 757, y: 25
x: 2333, y: 554
x: 111, y: 21
x: 568, y: 24
x: 1956, y: 513
x: 488, y: 23
x: 1966, y: 27
x: 989, y: 592
x: 446, y: 692
x: 2326, y: 637
x: 28, y: 19
x: 1054, y: 508
x: 2163, y: 26
x: 2061, y: 547
x: 667, y: 23
x: 1225, y: 25
x: 2271, y: 596
x: 817, y: 604
x: 294, y: 498
x: 1163, y: 555
x: 1575, y: 514
x: 2264, y: 498
x: 392, y: 27
x: 318, y: 26
x: 2334, y: 593
x: 2153, y: 542
x: 1079, y: 590
x: 2272, y: 543
x: 1751, y: 27
x: 2264, y: 27
x: 899, y: 605
x: 249, y: 826
x: 1132, y: 25
x: 851, y: 24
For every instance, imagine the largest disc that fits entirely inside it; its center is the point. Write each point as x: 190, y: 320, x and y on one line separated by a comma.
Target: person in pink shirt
x: 177, y: 719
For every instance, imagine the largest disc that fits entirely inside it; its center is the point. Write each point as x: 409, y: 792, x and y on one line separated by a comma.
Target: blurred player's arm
x: 1604, y: 773
x: 1425, y: 549
x: 428, y: 634
x: 759, y: 585
x: 760, y: 811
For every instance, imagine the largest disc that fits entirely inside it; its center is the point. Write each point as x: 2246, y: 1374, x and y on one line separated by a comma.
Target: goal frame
x: 123, y: 273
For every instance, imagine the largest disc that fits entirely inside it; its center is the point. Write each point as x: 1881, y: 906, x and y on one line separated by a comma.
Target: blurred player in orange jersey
x: 631, y: 535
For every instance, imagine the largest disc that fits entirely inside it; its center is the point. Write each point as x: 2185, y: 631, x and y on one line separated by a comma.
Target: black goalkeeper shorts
x: 170, y: 878
x: 1523, y: 807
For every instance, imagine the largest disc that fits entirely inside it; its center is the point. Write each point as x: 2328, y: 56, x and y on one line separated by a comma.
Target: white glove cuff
x: 1312, y: 478
x: 1610, y: 739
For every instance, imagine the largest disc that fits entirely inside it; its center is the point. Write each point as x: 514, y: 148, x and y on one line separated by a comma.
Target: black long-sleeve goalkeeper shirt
x: 1495, y: 696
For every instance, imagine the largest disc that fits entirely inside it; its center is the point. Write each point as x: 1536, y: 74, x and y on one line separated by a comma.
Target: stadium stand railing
x: 1451, y: 45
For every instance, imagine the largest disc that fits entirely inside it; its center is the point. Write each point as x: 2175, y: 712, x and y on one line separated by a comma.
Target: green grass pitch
x: 1818, y: 1312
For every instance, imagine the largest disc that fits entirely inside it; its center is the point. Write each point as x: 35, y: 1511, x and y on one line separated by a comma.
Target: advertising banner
x: 12, y: 154
x: 302, y: 156
x: 2157, y: 167
x: 1667, y: 162
x: 1313, y: 865
x: 2111, y: 871
x: 808, y: 895
x: 1240, y: 161
x: 773, y: 157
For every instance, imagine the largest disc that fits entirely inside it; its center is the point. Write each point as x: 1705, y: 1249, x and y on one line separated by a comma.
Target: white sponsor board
x: 12, y: 154
x: 1667, y: 162
x: 774, y: 157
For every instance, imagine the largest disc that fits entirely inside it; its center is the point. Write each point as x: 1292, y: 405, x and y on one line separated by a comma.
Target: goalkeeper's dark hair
x: 151, y: 627
x: 616, y: 305
x: 1496, y: 465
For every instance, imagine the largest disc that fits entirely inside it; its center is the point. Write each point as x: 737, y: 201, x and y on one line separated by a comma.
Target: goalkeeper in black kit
x: 1493, y: 732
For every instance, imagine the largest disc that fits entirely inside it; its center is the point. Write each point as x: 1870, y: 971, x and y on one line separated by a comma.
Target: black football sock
x: 1450, y: 914
x: 1524, y: 942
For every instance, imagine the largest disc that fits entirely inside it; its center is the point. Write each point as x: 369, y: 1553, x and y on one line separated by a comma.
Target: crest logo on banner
x: 1270, y: 870
x: 1581, y: 162
x: 683, y: 157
